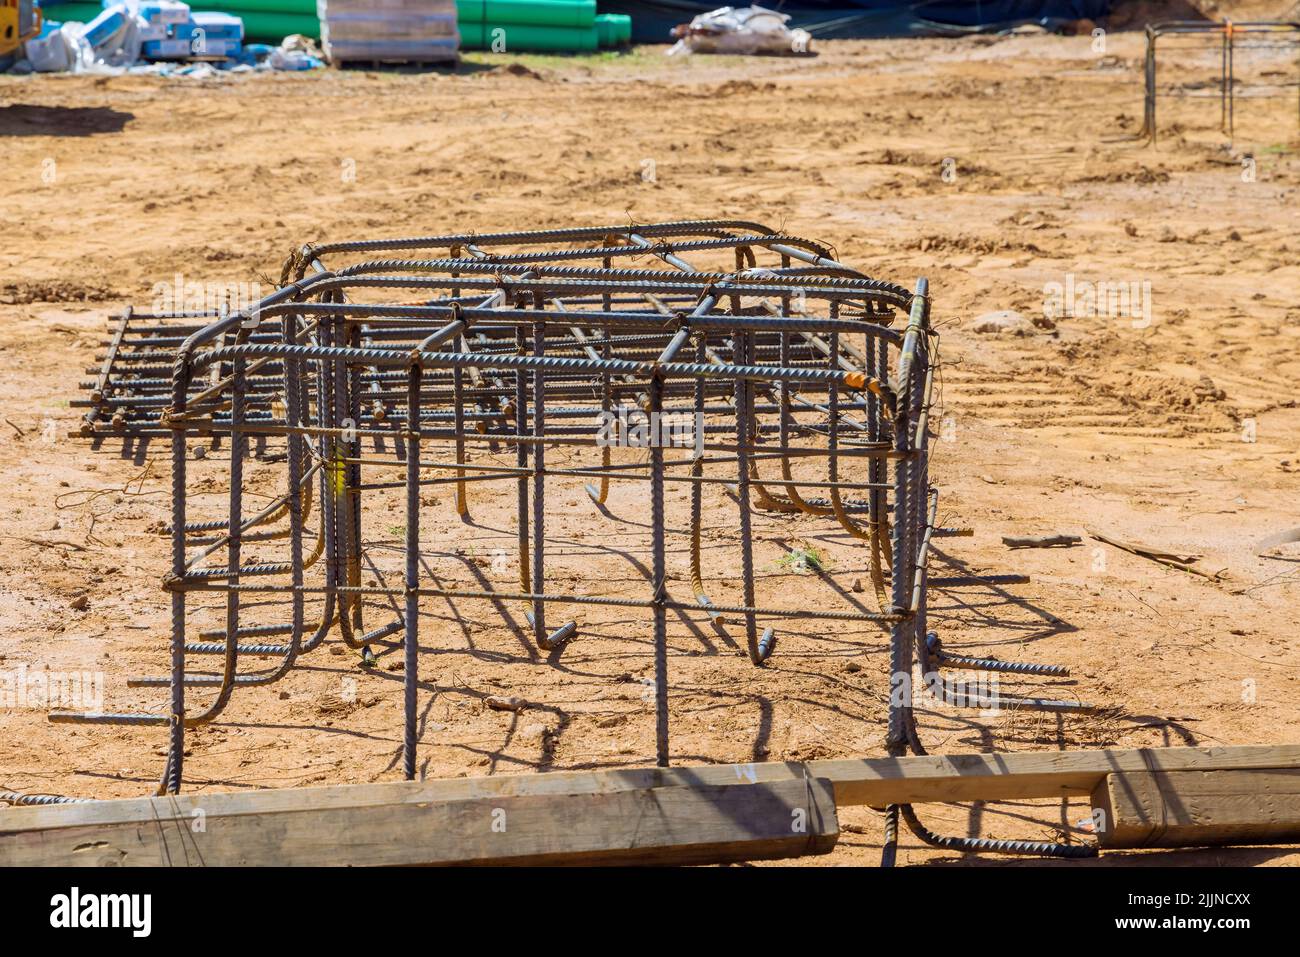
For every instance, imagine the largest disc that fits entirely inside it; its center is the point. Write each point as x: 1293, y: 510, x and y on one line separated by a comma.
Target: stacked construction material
x: 212, y: 34
x: 403, y: 31
x: 506, y: 26
x: 113, y: 37
x: 173, y: 32
x: 264, y: 20
x: 270, y: 20
x: 160, y: 20
x: 501, y: 25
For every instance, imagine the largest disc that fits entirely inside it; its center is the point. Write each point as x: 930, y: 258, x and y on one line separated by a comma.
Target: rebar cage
x: 750, y: 364
x: 1229, y: 38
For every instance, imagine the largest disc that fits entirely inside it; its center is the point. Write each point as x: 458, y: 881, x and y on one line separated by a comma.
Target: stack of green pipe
x: 527, y: 24
x: 562, y: 25
x: 267, y: 21
x: 613, y: 29
x: 77, y: 12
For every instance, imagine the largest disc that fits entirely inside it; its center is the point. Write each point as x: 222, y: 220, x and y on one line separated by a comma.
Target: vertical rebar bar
x: 1232, y: 83
x: 458, y: 402
x: 411, y: 641
x: 658, y: 572
x: 176, y: 738
x: 740, y: 350
x: 294, y: 442
x: 539, y: 488
x: 521, y: 460
x: 234, y: 548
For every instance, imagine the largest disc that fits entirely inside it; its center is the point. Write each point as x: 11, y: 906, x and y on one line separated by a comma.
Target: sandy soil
x: 994, y: 166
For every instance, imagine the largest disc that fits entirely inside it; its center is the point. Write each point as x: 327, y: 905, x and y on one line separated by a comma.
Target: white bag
x: 49, y: 54
x: 740, y: 30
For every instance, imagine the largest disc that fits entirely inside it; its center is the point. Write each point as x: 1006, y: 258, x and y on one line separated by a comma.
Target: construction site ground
x: 995, y: 166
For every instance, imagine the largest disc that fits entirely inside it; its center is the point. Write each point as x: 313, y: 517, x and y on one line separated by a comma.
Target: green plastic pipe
x: 522, y: 38
x: 239, y: 7
x: 262, y: 24
x: 541, y: 13
x: 269, y: 27
x: 613, y: 29
x: 78, y: 12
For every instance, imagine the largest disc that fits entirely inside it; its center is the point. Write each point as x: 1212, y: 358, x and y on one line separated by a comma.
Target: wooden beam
x: 1198, y: 808
x: 671, y: 825
x: 870, y: 781
x: 1023, y: 776
x: 858, y: 781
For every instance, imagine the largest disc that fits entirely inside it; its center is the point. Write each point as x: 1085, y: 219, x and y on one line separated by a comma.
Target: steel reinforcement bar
x: 1228, y: 37
x: 771, y: 372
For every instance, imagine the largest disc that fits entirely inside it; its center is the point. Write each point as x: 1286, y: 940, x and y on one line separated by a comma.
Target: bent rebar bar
x: 387, y: 376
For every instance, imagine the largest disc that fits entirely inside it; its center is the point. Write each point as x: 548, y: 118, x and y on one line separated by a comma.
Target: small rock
x: 852, y: 667
x: 504, y: 703
x: 534, y: 732
x: 857, y: 585
x: 1004, y: 322
x: 80, y: 603
x: 200, y: 452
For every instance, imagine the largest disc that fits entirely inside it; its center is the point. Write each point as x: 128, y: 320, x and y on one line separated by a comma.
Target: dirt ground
x: 996, y: 167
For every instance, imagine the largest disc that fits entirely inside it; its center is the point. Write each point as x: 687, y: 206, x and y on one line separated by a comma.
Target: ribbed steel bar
x: 758, y: 345
x: 1286, y: 34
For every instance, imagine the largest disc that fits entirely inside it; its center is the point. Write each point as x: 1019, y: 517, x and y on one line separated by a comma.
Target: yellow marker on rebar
x: 338, y: 480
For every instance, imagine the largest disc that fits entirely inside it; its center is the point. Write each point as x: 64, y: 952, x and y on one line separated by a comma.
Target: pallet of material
x: 394, y: 31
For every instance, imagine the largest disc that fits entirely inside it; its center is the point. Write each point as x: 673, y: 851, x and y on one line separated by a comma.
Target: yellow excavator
x: 20, y: 20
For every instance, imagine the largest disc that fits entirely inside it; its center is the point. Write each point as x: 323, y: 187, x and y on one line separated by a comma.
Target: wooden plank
x: 1023, y: 776
x: 1198, y: 808
x: 671, y: 825
x: 859, y: 781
